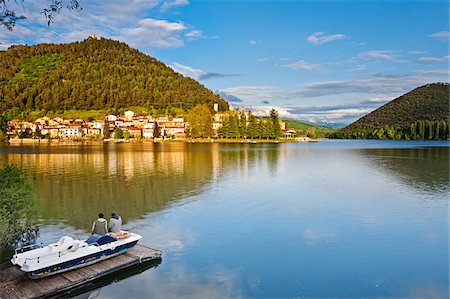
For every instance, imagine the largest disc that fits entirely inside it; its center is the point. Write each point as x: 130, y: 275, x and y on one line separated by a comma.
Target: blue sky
x: 316, y: 61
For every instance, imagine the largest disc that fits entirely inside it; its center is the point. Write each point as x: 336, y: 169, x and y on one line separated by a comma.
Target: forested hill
x: 426, y: 103
x: 93, y: 74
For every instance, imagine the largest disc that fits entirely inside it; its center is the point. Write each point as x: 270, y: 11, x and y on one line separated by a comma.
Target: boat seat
x: 76, y: 245
x: 63, y: 244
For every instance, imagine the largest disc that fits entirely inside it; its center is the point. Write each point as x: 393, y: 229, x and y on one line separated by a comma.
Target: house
x: 134, y: 132
x: 94, y: 131
x: 147, y: 130
x: 71, y: 131
x: 178, y: 120
x: 173, y: 129
x: 129, y: 115
x: 95, y: 124
x: 42, y: 120
x: 55, y: 121
x: 289, y: 133
x: 111, y: 118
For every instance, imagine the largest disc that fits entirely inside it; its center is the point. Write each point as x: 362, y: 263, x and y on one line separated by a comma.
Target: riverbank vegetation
x: 17, y: 207
x: 245, y: 125
x: 418, y: 130
x: 310, y: 130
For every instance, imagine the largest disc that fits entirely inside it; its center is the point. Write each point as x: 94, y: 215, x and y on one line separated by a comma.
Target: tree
x: 253, y: 130
x: 3, y: 124
x: 156, y: 131
x: 311, y: 133
x: 17, y: 207
x: 106, y: 133
x: 200, y: 121
x: 126, y: 135
x: 243, y: 125
x: 8, y: 17
x: 118, y: 134
x: 276, y: 129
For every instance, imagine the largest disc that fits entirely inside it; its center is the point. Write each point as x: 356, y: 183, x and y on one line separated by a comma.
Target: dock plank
x: 15, y: 284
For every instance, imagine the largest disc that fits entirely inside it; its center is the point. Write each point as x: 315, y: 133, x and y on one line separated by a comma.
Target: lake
x: 337, y: 219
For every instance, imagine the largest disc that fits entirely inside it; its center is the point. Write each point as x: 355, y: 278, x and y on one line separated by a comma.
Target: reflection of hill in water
x: 425, y: 168
x: 74, y: 183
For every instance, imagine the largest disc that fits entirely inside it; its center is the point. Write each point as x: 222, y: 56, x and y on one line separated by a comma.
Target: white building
x: 70, y: 132
x: 129, y: 115
x: 111, y: 117
x: 147, y: 131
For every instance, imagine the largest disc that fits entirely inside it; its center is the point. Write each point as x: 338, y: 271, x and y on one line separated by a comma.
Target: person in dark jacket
x: 100, y: 226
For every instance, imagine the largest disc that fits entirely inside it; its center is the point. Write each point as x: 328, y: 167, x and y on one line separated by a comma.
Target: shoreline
x: 32, y: 141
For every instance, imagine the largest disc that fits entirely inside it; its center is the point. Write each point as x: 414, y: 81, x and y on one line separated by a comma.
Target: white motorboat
x: 68, y: 254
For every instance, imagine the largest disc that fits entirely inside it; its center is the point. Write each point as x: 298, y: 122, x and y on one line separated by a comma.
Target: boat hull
x: 80, y: 261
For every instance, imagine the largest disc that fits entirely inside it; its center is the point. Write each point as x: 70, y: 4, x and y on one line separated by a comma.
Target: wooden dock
x: 15, y: 284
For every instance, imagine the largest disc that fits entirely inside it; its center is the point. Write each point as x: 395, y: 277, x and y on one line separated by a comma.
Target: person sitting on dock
x: 100, y: 226
x: 115, y: 223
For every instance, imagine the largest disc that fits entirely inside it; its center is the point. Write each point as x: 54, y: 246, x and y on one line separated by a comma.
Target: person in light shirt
x: 115, y: 223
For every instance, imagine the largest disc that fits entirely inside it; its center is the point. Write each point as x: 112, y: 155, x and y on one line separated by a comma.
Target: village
x: 113, y: 127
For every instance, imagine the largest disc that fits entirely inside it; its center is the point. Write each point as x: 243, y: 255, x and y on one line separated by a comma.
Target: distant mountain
x: 228, y: 97
x: 96, y: 73
x: 421, y: 114
x: 429, y: 102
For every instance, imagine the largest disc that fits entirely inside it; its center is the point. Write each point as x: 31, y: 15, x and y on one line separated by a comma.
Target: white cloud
x: 255, y: 93
x: 441, y: 35
x: 432, y: 59
x: 197, y: 74
x: 173, y: 3
x: 318, y: 38
x: 315, y: 114
x: 263, y: 59
x: 155, y: 33
x: 121, y: 20
x: 417, y: 52
x: 252, y: 42
x: 357, y: 68
x: 438, y: 72
x: 4, y: 47
x: 301, y: 65
x: 194, y: 34
x: 384, y: 54
x: 187, y: 71
x: 376, y: 86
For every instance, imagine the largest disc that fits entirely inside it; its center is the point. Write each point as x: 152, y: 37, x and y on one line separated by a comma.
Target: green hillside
x: 429, y: 102
x: 304, y: 128
x: 94, y: 74
x: 421, y: 114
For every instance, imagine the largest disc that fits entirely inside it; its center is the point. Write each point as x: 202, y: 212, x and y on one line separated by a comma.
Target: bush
x: 17, y: 208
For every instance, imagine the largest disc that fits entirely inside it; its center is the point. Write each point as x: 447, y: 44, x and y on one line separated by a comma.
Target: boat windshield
x: 100, y: 240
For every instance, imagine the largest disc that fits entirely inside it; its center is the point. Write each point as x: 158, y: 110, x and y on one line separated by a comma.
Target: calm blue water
x: 334, y: 219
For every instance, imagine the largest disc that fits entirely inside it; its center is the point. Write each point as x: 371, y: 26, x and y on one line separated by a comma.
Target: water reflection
x: 178, y: 283
x: 330, y: 219
x: 74, y: 183
x: 423, y: 168
x: 94, y: 288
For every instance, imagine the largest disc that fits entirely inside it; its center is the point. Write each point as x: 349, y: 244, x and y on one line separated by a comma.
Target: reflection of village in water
x: 74, y: 183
